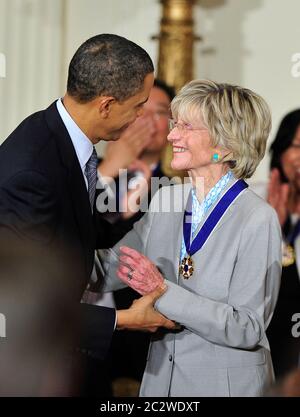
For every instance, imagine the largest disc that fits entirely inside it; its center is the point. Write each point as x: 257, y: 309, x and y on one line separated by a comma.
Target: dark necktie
x: 91, y: 175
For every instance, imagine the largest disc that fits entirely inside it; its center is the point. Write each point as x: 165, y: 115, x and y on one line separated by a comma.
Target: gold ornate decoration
x: 288, y: 255
x: 175, y: 58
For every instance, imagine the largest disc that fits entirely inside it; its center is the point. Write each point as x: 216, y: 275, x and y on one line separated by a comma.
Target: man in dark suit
x: 47, y: 189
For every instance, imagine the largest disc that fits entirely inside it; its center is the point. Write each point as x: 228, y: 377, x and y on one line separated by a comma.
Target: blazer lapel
x: 77, y: 187
x: 177, y: 227
x: 178, y: 236
x: 228, y: 213
x: 179, y: 220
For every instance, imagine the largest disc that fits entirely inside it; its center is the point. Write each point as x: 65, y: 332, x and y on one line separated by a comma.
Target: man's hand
x: 142, y: 315
x: 278, y: 194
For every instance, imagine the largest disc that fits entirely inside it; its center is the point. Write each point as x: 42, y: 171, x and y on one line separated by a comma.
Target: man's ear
x: 104, y: 105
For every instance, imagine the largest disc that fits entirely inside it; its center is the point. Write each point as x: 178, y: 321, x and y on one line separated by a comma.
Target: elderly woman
x: 219, y: 254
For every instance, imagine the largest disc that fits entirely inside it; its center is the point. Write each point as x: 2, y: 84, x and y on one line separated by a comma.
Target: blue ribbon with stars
x: 212, y: 219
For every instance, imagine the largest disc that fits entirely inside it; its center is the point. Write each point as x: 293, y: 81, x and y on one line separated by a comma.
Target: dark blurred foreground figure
x: 289, y: 386
x: 284, y: 196
x: 48, y: 173
x: 40, y: 328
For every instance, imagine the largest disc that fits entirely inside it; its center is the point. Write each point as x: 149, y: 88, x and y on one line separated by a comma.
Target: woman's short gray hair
x: 237, y: 119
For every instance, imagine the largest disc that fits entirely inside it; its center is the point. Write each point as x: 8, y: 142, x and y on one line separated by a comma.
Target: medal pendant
x: 288, y: 255
x: 186, y: 267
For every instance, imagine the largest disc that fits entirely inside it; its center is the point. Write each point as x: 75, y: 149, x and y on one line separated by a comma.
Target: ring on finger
x: 129, y: 275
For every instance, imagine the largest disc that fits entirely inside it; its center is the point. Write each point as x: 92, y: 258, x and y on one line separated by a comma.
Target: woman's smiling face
x: 191, y: 142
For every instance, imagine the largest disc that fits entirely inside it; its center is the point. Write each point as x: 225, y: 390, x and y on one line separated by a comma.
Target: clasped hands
x: 139, y: 273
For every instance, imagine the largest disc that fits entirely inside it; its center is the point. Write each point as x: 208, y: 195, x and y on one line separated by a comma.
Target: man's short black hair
x: 108, y: 64
x: 170, y: 91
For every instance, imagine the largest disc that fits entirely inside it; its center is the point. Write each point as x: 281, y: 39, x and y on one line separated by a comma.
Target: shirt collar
x: 83, y: 146
x: 212, y: 196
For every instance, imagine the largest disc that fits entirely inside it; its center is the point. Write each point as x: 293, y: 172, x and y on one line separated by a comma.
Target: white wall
x: 248, y: 42
x: 30, y: 40
x: 137, y: 20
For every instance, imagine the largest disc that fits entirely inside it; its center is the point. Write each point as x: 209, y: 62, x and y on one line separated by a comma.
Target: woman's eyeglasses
x: 182, y: 127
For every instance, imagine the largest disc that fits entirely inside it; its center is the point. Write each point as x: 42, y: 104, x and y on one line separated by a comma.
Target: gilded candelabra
x: 175, y: 59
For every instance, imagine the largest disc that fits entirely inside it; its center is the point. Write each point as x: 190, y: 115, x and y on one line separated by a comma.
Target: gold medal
x: 186, y: 267
x: 288, y: 255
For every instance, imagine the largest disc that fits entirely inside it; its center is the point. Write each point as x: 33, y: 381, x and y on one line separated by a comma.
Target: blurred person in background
x: 139, y: 150
x: 284, y: 195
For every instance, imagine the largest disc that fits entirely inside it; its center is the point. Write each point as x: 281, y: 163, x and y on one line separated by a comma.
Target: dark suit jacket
x: 44, y: 206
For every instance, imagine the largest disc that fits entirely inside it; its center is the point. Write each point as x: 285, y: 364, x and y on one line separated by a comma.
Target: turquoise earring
x: 215, y: 157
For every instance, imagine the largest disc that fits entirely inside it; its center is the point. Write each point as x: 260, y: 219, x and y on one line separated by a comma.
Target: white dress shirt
x: 83, y: 146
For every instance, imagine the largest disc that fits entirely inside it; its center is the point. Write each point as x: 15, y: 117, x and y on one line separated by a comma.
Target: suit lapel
x: 77, y: 188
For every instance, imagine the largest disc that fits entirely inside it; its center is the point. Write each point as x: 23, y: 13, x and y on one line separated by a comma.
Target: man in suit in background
x: 47, y: 192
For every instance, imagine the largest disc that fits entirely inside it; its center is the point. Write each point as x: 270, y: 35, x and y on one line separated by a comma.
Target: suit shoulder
x: 28, y: 131
x: 170, y: 198
x: 28, y: 147
x: 252, y: 204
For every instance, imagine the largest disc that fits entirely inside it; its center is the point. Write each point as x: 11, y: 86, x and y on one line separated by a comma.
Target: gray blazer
x: 224, y: 308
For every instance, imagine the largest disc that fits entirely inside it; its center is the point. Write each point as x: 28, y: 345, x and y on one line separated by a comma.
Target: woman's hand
x: 138, y: 272
x: 278, y: 194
